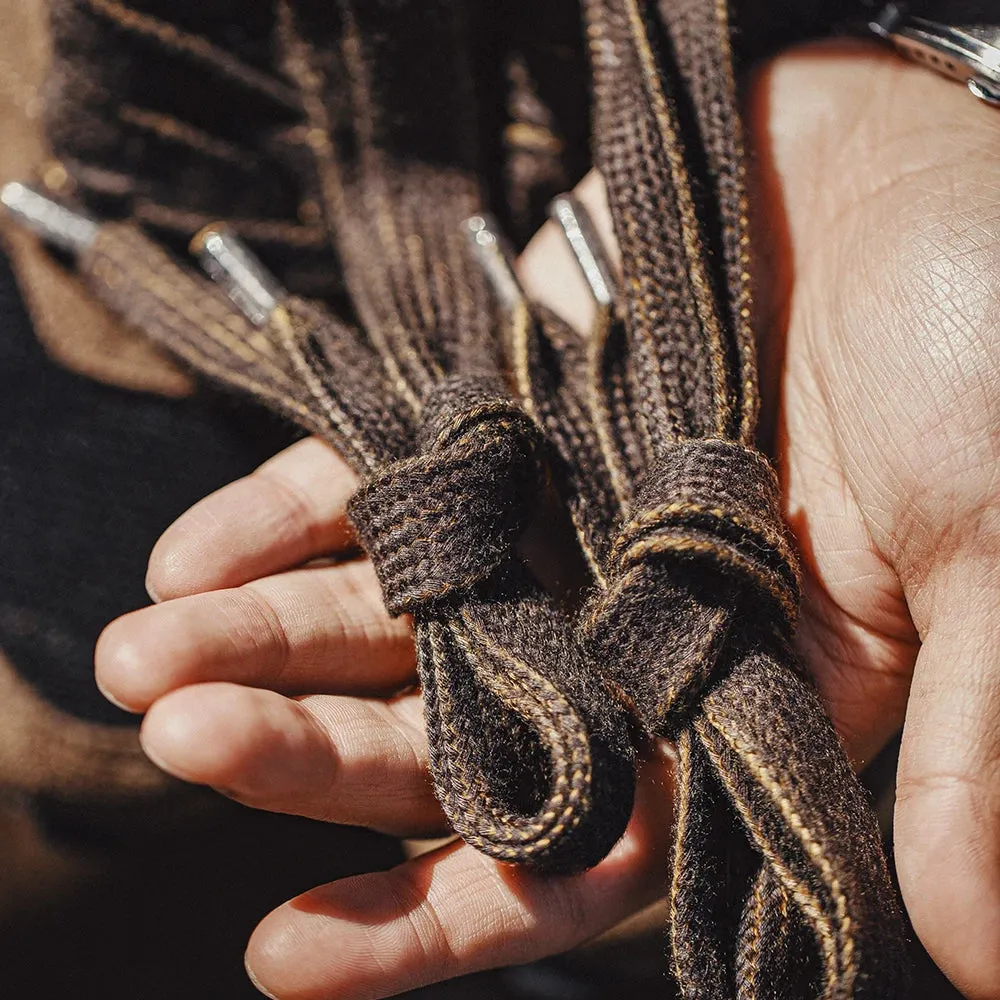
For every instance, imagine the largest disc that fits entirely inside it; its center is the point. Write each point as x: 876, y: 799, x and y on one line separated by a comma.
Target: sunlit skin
x: 878, y: 203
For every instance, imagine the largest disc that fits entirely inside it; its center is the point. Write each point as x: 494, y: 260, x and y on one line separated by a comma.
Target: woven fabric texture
x: 529, y: 749
x: 779, y: 884
x: 371, y: 120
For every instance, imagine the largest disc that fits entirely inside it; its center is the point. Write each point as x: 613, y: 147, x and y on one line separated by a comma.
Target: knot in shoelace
x: 778, y: 882
x: 440, y: 522
x: 714, y: 502
x: 704, y: 535
x: 529, y: 752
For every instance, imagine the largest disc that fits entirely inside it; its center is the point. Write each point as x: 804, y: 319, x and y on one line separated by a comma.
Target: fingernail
x: 151, y: 590
x: 253, y: 979
x: 114, y: 701
x: 156, y: 760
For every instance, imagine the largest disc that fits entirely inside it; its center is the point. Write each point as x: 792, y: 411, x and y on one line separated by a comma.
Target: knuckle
x: 427, y: 940
x: 571, y: 914
x: 978, y: 790
x: 355, y: 617
x: 402, y: 748
x: 377, y: 768
x: 257, y: 624
x: 298, y: 511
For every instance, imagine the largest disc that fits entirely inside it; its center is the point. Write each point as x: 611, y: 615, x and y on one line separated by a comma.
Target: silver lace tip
x: 56, y: 224
x: 886, y: 22
x: 490, y: 249
x: 573, y: 219
x: 230, y: 263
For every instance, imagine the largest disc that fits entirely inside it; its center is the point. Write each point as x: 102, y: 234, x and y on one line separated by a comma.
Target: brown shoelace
x: 779, y: 886
x: 779, y: 883
x: 529, y: 751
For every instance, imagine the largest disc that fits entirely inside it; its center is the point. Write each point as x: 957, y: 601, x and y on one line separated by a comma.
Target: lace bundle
x: 455, y: 403
x: 779, y: 885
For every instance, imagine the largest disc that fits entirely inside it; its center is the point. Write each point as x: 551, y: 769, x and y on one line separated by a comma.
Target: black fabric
x: 90, y: 475
x: 953, y: 11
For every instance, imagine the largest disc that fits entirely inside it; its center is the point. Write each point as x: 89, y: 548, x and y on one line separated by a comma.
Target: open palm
x: 889, y: 436
x: 879, y: 190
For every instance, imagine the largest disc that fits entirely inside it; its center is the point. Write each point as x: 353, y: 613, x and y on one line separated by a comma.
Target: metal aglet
x: 491, y: 251
x: 230, y: 263
x: 969, y: 53
x: 574, y: 220
x: 58, y: 225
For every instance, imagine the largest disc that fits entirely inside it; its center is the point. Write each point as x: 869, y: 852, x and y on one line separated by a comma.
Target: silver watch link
x: 967, y: 53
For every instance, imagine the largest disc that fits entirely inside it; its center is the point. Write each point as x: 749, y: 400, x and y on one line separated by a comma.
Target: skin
x: 878, y: 192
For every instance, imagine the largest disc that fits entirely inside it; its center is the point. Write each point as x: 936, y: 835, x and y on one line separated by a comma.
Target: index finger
x: 290, y: 510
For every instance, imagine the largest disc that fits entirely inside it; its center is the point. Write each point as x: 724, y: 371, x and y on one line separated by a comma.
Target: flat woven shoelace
x: 529, y: 751
x: 779, y: 886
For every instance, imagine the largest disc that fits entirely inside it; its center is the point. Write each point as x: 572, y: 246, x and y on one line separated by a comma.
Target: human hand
x: 887, y: 282
x: 219, y: 663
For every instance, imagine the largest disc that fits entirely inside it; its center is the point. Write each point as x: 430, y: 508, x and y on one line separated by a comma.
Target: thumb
x: 947, y: 824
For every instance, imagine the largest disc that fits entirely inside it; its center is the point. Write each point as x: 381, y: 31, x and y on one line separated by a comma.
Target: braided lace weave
x: 529, y: 752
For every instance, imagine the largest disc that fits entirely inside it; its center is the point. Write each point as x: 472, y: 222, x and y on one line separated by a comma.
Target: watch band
x: 967, y: 52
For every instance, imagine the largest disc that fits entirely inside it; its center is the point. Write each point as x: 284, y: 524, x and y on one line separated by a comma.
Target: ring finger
x: 361, y: 762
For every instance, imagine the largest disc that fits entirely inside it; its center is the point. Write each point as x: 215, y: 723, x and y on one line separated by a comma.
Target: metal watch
x: 969, y: 53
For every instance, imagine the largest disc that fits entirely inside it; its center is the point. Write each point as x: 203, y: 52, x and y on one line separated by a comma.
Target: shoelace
x: 529, y: 751
x: 779, y: 886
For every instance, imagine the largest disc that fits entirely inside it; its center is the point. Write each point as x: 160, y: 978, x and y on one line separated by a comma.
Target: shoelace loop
x: 715, y: 502
x: 704, y: 532
x: 439, y: 522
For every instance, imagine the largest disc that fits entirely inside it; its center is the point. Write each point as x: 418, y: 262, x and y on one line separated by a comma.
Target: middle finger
x: 321, y: 629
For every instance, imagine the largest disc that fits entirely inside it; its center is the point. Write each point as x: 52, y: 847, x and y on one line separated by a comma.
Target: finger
x: 292, y: 509
x: 947, y: 824
x: 322, y: 629
x: 342, y: 760
x: 548, y: 270
x: 452, y: 912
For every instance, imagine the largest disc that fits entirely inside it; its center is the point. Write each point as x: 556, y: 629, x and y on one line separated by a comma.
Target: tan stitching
x: 174, y: 130
x: 704, y: 298
x: 172, y: 37
x: 842, y: 970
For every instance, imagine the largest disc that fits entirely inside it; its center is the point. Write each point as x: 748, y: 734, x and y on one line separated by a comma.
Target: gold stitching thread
x: 172, y: 37
x: 659, y: 516
x: 704, y: 298
x: 808, y: 902
x: 310, y: 84
x: 812, y: 844
x: 172, y: 129
x: 744, y: 300
x: 683, y: 810
x: 599, y: 410
x: 558, y: 820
